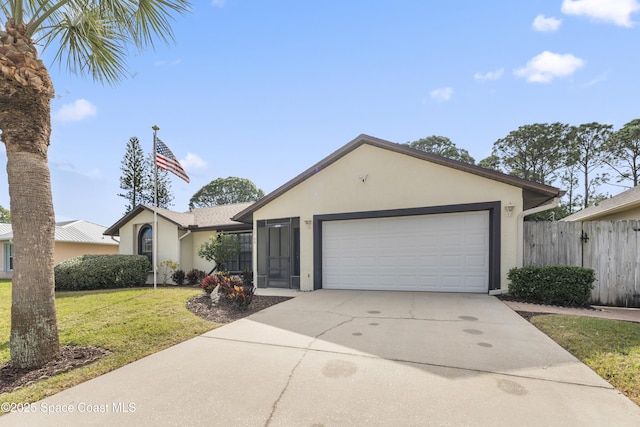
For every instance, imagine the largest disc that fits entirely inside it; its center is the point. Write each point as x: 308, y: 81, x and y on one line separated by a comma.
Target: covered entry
x: 279, y: 253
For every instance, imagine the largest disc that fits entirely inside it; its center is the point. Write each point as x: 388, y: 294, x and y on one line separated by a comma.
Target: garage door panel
x: 442, y: 252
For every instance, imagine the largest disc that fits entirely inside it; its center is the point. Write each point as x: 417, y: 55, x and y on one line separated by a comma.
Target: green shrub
x: 247, y: 278
x: 557, y: 285
x: 195, y: 276
x: 101, y: 272
x: 166, y: 268
x: 178, y: 277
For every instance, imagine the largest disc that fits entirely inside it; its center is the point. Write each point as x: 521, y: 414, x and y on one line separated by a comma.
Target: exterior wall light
x: 509, y: 208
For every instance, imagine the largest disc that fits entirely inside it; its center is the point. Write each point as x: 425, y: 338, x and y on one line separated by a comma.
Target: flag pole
x: 155, y: 210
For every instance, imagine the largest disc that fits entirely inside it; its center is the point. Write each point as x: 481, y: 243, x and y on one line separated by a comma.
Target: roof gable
x: 534, y: 194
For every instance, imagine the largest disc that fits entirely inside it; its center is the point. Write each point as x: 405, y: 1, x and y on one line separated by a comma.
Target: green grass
x: 131, y: 323
x: 610, y: 347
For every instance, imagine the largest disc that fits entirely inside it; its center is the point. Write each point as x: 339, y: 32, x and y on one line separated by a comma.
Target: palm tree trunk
x: 25, y: 121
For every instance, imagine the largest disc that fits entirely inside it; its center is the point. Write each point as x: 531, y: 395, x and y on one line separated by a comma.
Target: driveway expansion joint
x: 307, y: 349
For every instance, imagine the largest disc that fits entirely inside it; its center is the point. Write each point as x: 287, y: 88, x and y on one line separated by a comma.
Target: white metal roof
x: 77, y: 231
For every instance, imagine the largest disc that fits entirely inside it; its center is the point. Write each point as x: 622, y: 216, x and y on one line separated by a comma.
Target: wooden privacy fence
x: 610, y: 248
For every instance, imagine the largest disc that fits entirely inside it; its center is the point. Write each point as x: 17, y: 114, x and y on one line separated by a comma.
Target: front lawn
x: 130, y: 323
x: 610, y: 347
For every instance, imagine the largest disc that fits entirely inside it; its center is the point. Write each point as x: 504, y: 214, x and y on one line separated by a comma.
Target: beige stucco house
x: 383, y: 216
x: 372, y: 215
x: 72, y: 238
x: 621, y: 207
x: 180, y: 235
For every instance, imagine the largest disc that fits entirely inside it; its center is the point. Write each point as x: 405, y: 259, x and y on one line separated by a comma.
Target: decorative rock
x: 215, y: 295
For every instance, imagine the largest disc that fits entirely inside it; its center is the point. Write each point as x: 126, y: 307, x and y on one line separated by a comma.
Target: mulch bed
x: 227, y: 311
x: 12, y: 378
x: 529, y: 314
x: 70, y: 357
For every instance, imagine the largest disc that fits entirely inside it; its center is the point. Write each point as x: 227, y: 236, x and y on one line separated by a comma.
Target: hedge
x: 101, y: 272
x: 555, y: 285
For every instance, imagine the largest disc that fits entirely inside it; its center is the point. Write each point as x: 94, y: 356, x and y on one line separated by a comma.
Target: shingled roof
x: 626, y: 200
x: 211, y: 218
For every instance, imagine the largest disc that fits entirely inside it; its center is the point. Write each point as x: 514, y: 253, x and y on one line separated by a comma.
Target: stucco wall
x: 393, y: 181
x: 66, y: 250
x: 62, y: 251
x: 627, y: 215
x: 168, y: 243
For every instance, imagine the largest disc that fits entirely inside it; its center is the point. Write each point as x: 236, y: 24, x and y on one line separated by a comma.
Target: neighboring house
x: 624, y: 206
x: 383, y: 216
x: 72, y: 238
x: 180, y: 235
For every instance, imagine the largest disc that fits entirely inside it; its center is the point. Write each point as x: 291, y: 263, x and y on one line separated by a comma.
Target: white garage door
x: 439, y: 253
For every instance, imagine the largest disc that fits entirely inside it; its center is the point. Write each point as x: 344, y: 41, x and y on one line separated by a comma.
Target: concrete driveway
x: 331, y: 358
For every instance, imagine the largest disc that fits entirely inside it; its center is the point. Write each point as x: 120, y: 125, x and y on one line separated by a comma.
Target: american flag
x: 167, y: 161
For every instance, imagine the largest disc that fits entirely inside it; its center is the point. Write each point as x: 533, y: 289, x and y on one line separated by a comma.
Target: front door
x: 278, y: 255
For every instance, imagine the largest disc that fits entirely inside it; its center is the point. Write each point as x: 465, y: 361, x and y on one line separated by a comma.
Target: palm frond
x: 152, y: 20
x: 93, y: 36
x: 91, y: 44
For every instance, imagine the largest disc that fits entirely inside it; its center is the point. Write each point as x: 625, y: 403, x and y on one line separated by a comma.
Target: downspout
x: 520, y: 245
x: 180, y: 247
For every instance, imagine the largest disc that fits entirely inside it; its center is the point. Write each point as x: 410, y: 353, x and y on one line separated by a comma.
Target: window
x: 8, y: 257
x: 243, y: 260
x: 145, y: 242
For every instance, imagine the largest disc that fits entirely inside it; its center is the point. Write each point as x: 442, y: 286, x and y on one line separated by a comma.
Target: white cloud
x: 546, y: 25
x: 548, y: 65
x: 218, y: 3
x: 442, y: 94
x: 192, y: 161
x: 78, y: 110
x: 617, y: 12
x: 491, y: 75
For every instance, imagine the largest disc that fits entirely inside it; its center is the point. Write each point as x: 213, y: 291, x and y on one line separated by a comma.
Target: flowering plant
x: 242, y: 296
x: 230, y: 287
x: 222, y: 278
x: 209, y: 283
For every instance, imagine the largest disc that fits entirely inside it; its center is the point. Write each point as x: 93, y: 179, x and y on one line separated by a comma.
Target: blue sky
x: 264, y: 89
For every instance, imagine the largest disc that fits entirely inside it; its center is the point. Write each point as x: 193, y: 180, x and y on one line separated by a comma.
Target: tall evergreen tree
x: 624, y: 152
x: 534, y: 152
x: 135, y: 175
x: 588, y: 152
x: 165, y: 195
x: 137, y: 179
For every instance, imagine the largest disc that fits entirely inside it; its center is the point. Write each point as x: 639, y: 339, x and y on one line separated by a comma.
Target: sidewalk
x: 614, y: 313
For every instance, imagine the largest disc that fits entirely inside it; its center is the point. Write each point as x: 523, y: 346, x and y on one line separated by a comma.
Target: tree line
x: 579, y: 159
